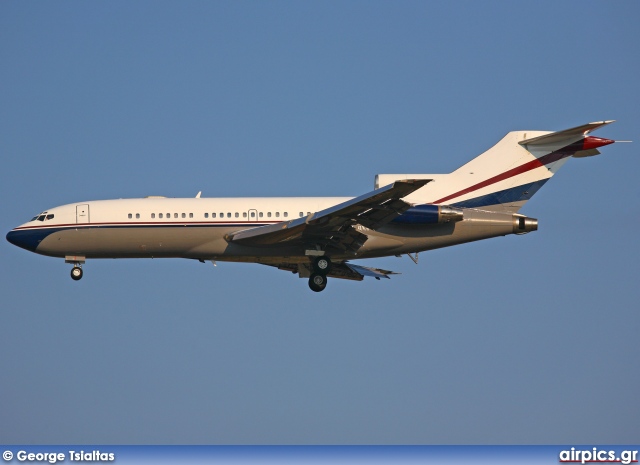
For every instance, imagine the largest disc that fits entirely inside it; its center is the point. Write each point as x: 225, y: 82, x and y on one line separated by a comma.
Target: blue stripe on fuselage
x: 30, y: 239
x: 513, y: 194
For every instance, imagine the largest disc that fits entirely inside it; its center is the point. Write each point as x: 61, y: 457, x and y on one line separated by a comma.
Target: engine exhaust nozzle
x: 524, y: 225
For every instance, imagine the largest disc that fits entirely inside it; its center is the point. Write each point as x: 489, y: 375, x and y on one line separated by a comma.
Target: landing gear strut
x: 76, y: 273
x: 318, y: 279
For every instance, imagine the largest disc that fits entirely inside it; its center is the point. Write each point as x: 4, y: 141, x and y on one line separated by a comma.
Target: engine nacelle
x: 430, y: 214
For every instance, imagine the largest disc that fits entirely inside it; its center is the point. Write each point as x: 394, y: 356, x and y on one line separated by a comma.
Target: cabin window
x: 286, y: 214
x: 206, y: 215
x: 190, y: 215
x: 153, y: 215
x: 137, y: 215
x: 160, y: 215
x: 268, y: 214
x: 253, y: 214
x: 175, y: 215
x: 50, y: 217
x: 228, y: 215
x: 168, y: 215
x: 130, y: 215
x: 184, y: 215
x: 237, y: 215
x: 260, y: 214
x: 301, y: 214
x: 213, y: 215
x: 244, y: 214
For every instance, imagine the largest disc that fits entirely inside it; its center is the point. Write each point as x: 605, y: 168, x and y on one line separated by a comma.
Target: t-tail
x: 507, y: 175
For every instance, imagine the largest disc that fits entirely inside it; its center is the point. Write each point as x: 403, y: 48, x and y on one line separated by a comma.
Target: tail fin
x: 507, y: 175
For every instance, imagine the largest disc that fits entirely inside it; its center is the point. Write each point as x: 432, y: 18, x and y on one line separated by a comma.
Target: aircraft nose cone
x: 23, y: 239
x: 12, y: 237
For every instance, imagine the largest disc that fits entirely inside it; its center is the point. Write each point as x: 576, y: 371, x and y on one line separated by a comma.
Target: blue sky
x: 515, y: 340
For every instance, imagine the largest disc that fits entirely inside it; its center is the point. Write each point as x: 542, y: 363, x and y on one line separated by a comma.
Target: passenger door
x: 82, y: 213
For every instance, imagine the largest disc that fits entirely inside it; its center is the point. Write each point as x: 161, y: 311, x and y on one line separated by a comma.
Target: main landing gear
x: 317, y: 282
x: 318, y: 279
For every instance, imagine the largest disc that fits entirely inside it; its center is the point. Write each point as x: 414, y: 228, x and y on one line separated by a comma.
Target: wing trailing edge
x: 344, y: 270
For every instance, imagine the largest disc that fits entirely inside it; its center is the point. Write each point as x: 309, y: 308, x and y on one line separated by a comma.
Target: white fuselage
x: 196, y: 228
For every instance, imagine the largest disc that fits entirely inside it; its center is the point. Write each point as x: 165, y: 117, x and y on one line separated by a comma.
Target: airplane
x: 317, y: 237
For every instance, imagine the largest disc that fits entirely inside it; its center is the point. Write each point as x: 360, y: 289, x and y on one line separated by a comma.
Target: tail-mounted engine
x: 430, y: 214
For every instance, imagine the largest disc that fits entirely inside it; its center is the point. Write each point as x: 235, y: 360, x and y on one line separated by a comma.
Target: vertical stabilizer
x: 507, y: 175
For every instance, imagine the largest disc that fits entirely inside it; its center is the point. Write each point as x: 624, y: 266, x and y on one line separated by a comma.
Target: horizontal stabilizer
x: 586, y: 153
x: 557, y: 137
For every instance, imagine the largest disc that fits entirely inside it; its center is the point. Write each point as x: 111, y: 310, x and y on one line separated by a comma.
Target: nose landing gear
x: 76, y: 273
x: 77, y: 261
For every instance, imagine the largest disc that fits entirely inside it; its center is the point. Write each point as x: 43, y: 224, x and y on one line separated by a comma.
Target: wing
x: 333, y: 227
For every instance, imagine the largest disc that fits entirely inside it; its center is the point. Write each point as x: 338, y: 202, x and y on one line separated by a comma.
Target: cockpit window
x: 42, y: 216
